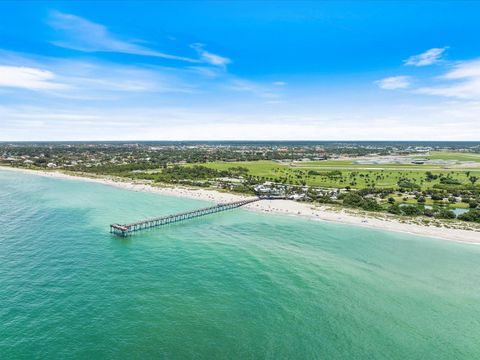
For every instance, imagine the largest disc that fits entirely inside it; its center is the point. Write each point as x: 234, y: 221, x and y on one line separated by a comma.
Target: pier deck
x: 128, y: 229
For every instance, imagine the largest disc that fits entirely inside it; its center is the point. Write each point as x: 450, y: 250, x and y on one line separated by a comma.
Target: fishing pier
x: 127, y: 229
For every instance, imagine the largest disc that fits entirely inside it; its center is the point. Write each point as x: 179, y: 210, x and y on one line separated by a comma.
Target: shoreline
x: 283, y: 207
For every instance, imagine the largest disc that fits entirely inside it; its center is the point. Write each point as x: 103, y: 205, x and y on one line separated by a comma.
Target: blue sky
x: 239, y: 70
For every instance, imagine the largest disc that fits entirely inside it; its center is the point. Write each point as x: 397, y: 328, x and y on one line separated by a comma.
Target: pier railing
x: 128, y: 229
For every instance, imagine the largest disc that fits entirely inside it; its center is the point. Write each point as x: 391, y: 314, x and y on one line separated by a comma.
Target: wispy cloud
x: 209, y: 57
x: 88, y: 80
x: 464, y: 70
x: 112, y: 77
x: 28, y: 78
x: 463, y: 82
x: 444, y: 122
x: 84, y: 35
x: 394, y: 82
x: 96, y: 80
x: 429, y: 57
x: 207, y: 71
x: 258, y: 90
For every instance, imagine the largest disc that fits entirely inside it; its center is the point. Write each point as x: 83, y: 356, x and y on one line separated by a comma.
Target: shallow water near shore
x: 233, y: 285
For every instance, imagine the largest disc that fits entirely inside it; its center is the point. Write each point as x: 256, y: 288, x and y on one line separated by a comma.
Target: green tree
x: 471, y: 215
x: 394, y: 209
x: 473, y: 179
x: 411, y: 210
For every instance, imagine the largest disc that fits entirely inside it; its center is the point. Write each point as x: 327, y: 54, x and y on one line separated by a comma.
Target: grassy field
x: 342, y: 173
x: 346, y: 164
x: 458, y: 156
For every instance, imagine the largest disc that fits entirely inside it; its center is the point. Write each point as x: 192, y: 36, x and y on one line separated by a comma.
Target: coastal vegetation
x: 402, y: 179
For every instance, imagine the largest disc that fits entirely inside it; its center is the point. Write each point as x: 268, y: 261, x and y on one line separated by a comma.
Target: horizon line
x: 241, y: 140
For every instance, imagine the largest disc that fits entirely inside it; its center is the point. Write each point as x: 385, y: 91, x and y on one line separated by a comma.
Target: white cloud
x: 258, y: 90
x: 445, y: 121
x: 89, y: 80
x: 90, y: 77
x: 95, y: 80
x: 279, y: 83
x: 28, y: 78
x: 464, y: 69
x: 394, y: 82
x: 84, y: 35
x: 463, y: 82
x: 209, y: 57
x: 429, y: 57
x: 207, y: 71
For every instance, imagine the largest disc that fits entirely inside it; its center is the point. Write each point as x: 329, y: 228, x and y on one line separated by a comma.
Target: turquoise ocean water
x: 234, y: 285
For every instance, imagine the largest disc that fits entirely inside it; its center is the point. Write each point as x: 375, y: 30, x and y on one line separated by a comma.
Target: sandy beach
x: 285, y: 207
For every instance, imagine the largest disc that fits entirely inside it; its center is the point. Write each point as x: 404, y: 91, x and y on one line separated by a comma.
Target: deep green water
x: 234, y: 285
